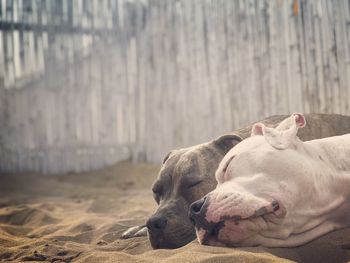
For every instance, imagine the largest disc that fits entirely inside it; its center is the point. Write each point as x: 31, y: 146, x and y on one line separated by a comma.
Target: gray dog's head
x: 185, y: 176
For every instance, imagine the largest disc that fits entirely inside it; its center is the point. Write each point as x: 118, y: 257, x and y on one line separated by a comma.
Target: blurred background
x: 87, y: 83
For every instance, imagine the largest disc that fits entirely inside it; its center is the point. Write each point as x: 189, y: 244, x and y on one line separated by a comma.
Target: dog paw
x: 136, y: 231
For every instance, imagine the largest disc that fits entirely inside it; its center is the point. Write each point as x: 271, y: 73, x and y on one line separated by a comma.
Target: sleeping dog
x: 188, y: 174
x: 276, y: 191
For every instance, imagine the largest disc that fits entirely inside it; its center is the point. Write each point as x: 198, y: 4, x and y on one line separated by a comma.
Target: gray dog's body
x: 188, y: 174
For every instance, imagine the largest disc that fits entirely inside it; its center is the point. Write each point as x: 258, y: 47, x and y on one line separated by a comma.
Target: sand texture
x: 80, y: 217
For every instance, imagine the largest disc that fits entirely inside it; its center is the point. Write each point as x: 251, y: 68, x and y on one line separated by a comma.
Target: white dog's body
x: 277, y: 191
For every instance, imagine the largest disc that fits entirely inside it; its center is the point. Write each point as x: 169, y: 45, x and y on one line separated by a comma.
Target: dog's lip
x: 210, y: 236
x: 261, y: 212
x: 213, y: 232
x: 207, y: 240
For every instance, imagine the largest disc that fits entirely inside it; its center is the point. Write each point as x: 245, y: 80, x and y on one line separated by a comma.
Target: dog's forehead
x: 187, y: 162
x: 180, y: 162
x: 244, y: 157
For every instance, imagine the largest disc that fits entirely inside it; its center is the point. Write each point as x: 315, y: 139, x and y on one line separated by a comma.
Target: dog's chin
x: 207, y: 238
x: 163, y: 242
x: 160, y: 244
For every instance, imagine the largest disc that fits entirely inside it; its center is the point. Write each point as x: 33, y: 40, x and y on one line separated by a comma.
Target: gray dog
x: 188, y: 174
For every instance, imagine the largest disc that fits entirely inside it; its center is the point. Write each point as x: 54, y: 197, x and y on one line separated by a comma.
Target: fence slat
x: 140, y: 78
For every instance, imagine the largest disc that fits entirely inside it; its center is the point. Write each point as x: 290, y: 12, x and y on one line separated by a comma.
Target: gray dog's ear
x: 167, y: 156
x: 226, y: 142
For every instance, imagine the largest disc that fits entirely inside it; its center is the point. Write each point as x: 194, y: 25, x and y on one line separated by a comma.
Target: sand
x: 80, y: 217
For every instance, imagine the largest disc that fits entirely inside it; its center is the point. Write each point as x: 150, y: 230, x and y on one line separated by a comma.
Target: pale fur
x: 310, y: 180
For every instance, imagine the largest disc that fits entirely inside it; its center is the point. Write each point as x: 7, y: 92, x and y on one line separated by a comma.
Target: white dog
x: 276, y: 191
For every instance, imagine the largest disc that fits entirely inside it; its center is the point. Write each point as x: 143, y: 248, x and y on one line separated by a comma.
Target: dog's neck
x: 335, y: 151
x: 329, y: 161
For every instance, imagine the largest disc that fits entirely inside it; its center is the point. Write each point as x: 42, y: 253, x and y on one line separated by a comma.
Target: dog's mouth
x: 208, y: 233
x: 210, y: 237
x: 214, y: 232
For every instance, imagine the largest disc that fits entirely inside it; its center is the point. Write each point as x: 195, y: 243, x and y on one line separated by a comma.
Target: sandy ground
x: 80, y: 217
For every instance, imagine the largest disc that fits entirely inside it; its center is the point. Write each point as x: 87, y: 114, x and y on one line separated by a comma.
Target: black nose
x: 196, y: 208
x: 156, y: 223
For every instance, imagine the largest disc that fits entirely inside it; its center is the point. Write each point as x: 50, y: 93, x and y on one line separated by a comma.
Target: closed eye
x: 193, y: 184
x: 228, y: 163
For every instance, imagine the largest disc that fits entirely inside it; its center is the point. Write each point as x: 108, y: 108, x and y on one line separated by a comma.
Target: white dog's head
x: 268, y: 189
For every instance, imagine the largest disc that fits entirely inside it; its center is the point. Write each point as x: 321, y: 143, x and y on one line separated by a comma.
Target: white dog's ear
x: 286, y: 132
x: 296, y: 119
x: 257, y: 129
x: 299, y: 119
